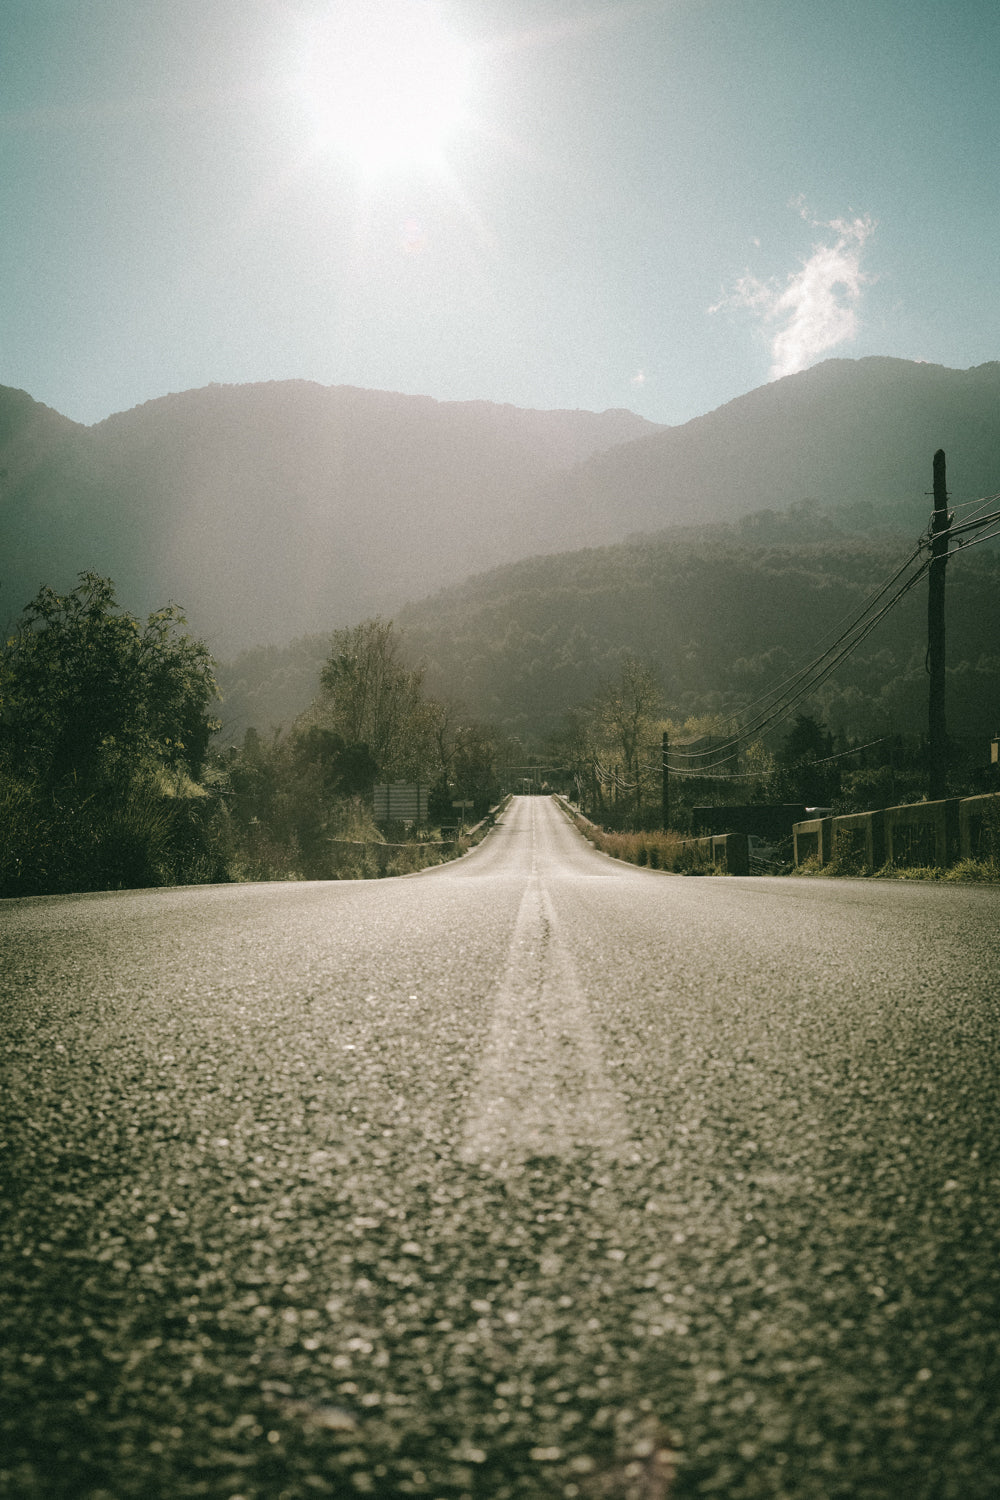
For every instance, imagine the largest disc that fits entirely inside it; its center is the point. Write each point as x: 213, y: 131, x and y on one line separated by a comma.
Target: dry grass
x: 667, y: 850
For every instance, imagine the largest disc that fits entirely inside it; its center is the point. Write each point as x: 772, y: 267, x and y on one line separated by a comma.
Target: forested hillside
x: 722, y: 614
x: 722, y: 618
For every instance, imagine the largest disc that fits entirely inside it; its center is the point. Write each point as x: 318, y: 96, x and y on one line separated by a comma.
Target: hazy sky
x: 554, y: 203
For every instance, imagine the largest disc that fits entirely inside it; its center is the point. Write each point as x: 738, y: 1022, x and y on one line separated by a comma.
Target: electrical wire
x: 970, y: 525
x: 964, y: 546
x: 812, y: 677
x: 802, y: 672
x: 766, y: 712
x: 756, y: 775
x: 978, y: 503
x: 809, y: 678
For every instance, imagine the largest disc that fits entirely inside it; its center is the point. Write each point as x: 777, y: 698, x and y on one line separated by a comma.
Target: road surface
x: 532, y: 1175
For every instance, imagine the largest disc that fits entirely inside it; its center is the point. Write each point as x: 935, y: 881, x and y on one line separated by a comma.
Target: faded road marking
x: 541, y: 1089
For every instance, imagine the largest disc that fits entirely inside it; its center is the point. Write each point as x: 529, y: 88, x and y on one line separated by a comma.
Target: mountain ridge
x: 777, y: 437
x: 273, y: 509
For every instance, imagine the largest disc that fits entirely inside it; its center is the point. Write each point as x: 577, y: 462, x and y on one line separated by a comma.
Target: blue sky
x: 553, y: 203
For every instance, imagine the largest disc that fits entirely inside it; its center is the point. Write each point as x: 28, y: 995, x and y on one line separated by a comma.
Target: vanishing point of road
x: 533, y: 1175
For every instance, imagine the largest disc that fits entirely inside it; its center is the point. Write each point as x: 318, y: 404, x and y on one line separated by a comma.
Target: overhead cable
x: 811, y: 676
x: 801, y: 672
x: 808, y: 679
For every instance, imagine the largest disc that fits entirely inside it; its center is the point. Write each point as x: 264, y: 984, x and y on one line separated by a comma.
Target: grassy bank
x: 657, y: 850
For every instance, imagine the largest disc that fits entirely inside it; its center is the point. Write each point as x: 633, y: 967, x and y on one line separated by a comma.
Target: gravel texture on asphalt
x: 531, y: 1176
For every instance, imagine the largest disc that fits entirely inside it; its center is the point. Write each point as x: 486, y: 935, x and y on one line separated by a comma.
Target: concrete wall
x: 813, y: 840
x: 979, y: 826
x: 922, y: 833
x: 728, y: 852
x: 860, y: 839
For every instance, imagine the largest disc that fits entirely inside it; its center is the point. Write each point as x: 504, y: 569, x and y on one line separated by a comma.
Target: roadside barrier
x: 919, y: 833
x: 728, y: 853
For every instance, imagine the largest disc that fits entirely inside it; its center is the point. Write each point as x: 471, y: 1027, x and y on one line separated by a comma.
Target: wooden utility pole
x: 666, y: 786
x: 937, y: 736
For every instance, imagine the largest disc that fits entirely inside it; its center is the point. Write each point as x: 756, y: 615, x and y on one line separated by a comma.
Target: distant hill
x: 845, y: 433
x: 723, y: 613
x: 271, y: 511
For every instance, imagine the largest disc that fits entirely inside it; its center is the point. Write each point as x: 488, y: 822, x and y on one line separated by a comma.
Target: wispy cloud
x: 816, y: 307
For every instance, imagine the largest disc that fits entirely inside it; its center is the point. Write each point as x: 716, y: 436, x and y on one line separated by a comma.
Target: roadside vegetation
x: 657, y: 850
x: 611, y: 749
x: 113, y: 775
x: 964, y: 871
x: 109, y: 778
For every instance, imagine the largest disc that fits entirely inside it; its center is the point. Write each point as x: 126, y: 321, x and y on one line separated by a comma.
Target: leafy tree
x: 628, y: 711
x: 343, y: 769
x: 474, y: 767
x: 804, y: 774
x: 86, y: 692
x: 574, y: 746
x: 371, y: 698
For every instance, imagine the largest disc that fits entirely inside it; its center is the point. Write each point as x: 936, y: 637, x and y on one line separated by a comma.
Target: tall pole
x: 937, y: 737
x: 666, y: 785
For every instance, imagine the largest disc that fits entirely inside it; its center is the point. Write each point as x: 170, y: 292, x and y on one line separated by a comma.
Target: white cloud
x: 816, y: 307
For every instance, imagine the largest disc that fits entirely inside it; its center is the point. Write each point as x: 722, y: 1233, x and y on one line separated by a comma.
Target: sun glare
x: 386, y: 83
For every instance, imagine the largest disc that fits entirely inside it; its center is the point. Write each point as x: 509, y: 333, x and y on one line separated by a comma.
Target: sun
x: 386, y: 83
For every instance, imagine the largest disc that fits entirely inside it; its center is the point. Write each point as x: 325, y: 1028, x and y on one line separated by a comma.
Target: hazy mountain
x: 844, y: 433
x: 270, y: 509
x: 723, y: 614
x: 273, y: 510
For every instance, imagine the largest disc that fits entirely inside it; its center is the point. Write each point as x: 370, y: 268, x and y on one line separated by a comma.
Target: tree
x: 804, y: 775
x: 87, y: 693
x: 372, y: 698
x: 628, y: 711
x: 343, y: 769
x: 806, y: 741
x: 474, y: 767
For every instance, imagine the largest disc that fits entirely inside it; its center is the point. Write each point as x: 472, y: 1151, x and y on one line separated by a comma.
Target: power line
x: 978, y: 503
x: 775, y: 706
x: 759, y: 715
x: 970, y: 525
x: 964, y: 546
x: 756, y: 775
x: 812, y: 676
x: 815, y: 673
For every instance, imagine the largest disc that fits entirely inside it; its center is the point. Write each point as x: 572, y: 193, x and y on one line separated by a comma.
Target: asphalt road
x: 532, y: 1175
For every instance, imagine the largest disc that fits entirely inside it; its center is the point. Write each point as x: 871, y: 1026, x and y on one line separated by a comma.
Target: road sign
x: 403, y: 801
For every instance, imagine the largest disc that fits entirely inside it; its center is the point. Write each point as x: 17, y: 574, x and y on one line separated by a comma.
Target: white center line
x: 541, y: 1089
